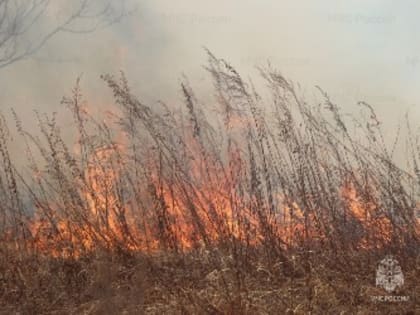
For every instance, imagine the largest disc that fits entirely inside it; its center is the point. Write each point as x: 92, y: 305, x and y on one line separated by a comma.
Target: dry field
x: 257, y: 203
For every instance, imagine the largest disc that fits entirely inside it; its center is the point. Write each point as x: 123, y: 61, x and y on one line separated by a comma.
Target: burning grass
x: 258, y: 205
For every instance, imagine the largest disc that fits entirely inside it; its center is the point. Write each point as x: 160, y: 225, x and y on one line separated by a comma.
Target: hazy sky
x: 359, y: 49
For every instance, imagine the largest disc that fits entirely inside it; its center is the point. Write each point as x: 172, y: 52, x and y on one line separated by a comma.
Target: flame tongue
x: 179, y: 211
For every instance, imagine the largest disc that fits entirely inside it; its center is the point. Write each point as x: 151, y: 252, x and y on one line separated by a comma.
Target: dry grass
x: 192, y: 285
x: 258, y: 205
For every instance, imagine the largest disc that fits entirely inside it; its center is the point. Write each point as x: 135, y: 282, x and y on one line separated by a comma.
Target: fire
x: 185, y: 220
x: 166, y: 214
x: 104, y: 219
x: 377, y: 228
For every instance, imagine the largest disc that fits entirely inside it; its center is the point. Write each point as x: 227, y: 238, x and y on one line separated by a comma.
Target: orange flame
x: 209, y: 212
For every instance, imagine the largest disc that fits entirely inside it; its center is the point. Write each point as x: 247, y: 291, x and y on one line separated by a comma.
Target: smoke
x: 359, y: 50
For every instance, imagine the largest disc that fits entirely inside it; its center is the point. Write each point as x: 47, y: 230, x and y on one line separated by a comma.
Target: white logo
x: 389, y: 275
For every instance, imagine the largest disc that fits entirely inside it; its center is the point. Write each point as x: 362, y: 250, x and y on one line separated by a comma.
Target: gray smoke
x: 359, y: 50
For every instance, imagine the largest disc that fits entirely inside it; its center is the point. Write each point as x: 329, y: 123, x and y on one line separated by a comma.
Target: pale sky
x: 355, y: 50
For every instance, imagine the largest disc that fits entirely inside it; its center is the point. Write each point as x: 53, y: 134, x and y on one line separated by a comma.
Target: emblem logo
x: 389, y: 275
